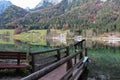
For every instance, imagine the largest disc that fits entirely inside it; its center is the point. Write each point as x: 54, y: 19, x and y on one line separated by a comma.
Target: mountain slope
x: 4, y: 4
x: 11, y: 14
x: 84, y: 14
x: 77, y: 15
x: 47, y: 3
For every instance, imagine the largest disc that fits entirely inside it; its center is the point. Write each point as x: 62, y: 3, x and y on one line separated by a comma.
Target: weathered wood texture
x: 41, y: 59
x: 18, y: 56
x: 80, y: 66
x: 71, y: 68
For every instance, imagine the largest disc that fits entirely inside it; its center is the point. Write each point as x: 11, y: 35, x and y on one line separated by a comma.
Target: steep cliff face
x: 47, y: 3
x: 4, y: 4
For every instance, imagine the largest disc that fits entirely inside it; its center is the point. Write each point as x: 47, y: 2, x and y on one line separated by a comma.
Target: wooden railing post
x: 18, y: 60
x: 69, y: 63
x: 75, y: 47
x: 81, y: 55
x: 85, y: 52
x: 58, y: 54
x: 33, y: 63
x: 75, y: 56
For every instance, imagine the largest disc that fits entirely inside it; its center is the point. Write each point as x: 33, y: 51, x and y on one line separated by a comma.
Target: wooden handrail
x: 38, y: 74
x: 46, y: 51
x: 79, y: 42
x: 58, y: 54
x: 60, y: 60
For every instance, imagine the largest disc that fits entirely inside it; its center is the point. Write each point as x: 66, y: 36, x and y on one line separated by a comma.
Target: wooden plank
x: 2, y: 52
x: 79, y: 42
x: 45, y: 59
x: 41, y: 52
x: 12, y: 55
x: 70, y: 71
x: 12, y: 66
x: 80, y: 69
x: 46, y: 51
x: 79, y: 65
x: 78, y: 73
x: 44, y: 65
x: 45, y: 70
x: 58, y: 55
x: 63, y: 55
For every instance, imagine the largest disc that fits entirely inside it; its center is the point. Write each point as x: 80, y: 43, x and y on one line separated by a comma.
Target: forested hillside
x: 78, y: 15
x: 11, y: 15
x: 4, y: 4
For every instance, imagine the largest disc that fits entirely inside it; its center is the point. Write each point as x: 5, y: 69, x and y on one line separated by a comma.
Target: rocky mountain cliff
x: 46, y: 3
x: 4, y: 4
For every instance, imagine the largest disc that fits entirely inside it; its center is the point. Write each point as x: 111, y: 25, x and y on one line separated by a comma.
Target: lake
x: 104, y: 60
x: 104, y: 55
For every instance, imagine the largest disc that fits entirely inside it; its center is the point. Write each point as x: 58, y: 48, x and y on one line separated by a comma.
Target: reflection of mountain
x: 111, y: 39
x: 56, y: 42
x: 58, y: 37
x: 112, y: 43
x: 96, y: 44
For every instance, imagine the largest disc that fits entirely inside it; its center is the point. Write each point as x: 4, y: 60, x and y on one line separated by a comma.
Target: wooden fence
x: 41, y: 59
x: 60, y: 60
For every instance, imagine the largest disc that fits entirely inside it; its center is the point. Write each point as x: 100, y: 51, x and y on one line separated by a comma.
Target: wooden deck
x: 64, y: 66
x: 55, y: 74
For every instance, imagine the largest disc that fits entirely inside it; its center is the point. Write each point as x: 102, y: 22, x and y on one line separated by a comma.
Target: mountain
x: 4, y: 4
x: 47, y: 3
x: 80, y: 15
x: 11, y: 15
x: 27, y: 9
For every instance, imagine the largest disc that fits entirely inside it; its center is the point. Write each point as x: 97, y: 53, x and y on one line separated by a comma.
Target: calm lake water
x: 104, y: 55
x: 104, y: 60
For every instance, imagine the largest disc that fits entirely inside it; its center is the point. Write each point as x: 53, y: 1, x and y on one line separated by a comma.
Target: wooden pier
x: 61, y: 65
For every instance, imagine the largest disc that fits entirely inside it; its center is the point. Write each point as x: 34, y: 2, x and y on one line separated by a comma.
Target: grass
x: 6, y: 42
x: 7, y: 36
x: 33, y: 37
x: 2, y: 31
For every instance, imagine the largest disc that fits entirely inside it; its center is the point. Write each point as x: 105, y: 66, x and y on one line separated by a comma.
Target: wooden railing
x: 41, y: 59
x: 78, y: 65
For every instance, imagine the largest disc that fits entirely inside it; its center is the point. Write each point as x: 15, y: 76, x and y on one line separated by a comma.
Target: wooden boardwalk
x: 55, y: 74
x: 55, y: 64
x: 59, y: 66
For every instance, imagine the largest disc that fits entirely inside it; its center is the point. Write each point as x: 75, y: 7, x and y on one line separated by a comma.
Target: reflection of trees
x: 6, y: 36
x: 99, y: 46
x: 105, y: 59
x: 27, y: 46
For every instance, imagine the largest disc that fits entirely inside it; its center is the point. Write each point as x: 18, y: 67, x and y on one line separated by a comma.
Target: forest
x: 93, y: 16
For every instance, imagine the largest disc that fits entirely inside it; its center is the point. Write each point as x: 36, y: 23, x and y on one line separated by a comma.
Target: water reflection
x: 112, y: 43
x: 17, y: 45
x: 104, y: 55
x: 104, y: 60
